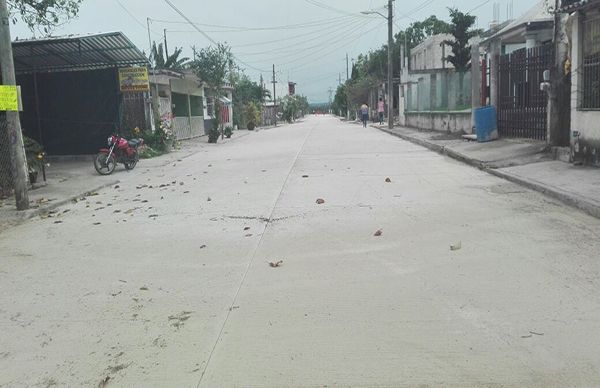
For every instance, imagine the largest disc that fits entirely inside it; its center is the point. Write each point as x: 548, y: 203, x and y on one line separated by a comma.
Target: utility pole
x: 13, y: 123
x: 390, y: 20
x: 166, y: 45
x: 347, y: 78
x: 274, y: 97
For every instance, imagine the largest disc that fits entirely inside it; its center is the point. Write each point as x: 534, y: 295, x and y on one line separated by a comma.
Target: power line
x: 206, y: 35
x: 142, y: 25
x: 281, y: 27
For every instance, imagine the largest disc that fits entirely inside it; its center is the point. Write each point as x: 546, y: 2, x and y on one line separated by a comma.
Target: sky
x: 306, y: 40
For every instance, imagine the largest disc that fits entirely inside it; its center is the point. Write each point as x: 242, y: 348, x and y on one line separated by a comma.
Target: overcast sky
x: 308, y: 45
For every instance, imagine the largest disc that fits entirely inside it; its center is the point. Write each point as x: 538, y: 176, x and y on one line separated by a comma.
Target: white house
x: 584, y: 30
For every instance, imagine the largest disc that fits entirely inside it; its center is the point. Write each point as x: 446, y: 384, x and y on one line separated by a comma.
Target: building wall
x: 449, y: 122
x: 430, y: 54
x: 585, y: 130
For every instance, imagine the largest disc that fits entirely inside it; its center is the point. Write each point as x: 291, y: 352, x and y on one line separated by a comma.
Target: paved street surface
x: 150, y: 286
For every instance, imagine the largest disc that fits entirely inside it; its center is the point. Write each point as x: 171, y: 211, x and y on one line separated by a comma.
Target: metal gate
x: 522, y: 106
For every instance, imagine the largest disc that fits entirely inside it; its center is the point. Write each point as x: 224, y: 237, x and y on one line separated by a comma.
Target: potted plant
x: 35, y: 158
x: 228, y: 132
x: 213, y: 135
x: 253, y: 114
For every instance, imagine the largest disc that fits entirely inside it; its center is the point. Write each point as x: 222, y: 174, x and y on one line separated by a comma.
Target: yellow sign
x: 9, y: 99
x: 134, y: 79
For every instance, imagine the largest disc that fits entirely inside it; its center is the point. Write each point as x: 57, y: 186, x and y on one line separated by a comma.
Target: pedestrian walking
x: 364, y: 111
x: 380, y: 110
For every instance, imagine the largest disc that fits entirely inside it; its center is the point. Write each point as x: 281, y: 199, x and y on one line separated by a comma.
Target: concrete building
x: 430, y: 54
x: 432, y: 94
x: 181, y: 100
x: 584, y: 35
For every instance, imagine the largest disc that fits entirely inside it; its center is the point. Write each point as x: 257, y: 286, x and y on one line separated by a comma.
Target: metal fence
x: 590, y: 98
x: 439, y: 91
x: 522, y: 106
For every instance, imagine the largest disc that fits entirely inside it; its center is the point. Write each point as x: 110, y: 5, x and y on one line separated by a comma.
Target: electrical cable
x: 208, y: 36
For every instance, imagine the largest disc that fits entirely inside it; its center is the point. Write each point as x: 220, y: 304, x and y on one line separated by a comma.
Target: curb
x: 589, y: 207
x: 30, y: 214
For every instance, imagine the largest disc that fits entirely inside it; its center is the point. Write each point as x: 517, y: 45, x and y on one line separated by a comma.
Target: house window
x: 197, y: 106
x: 181, y: 107
x: 591, y: 64
x: 210, y: 106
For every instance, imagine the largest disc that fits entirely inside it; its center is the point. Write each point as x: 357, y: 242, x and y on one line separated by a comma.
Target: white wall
x: 585, y: 123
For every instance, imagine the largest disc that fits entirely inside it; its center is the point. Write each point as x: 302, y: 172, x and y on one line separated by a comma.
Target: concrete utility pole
x: 274, y: 97
x: 347, y: 78
x: 166, y: 45
x: 13, y: 123
x: 390, y: 20
x: 559, y: 92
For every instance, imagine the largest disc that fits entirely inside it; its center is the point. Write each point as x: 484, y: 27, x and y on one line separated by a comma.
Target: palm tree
x: 173, y: 62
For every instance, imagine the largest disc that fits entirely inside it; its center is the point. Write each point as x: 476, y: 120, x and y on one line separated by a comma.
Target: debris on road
x: 202, y: 246
x: 178, y: 320
x: 534, y: 333
x: 249, y: 235
x: 276, y: 264
x: 388, y: 180
x: 247, y: 228
x: 208, y: 199
x: 320, y: 201
x: 378, y: 233
x: 104, y: 382
x: 144, y: 288
x: 304, y: 176
x: 456, y: 247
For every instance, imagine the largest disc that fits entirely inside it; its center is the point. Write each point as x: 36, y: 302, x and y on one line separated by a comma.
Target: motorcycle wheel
x: 130, y: 165
x: 104, y: 165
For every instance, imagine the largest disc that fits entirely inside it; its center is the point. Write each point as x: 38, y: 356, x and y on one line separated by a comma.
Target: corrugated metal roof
x: 76, y: 53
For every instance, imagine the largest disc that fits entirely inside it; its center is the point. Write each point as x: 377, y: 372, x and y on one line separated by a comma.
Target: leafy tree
x: 173, y: 62
x: 340, y: 101
x: 214, y: 66
x: 43, y: 15
x: 294, y: 107
x: 246, y: 91
x: 460, y: 28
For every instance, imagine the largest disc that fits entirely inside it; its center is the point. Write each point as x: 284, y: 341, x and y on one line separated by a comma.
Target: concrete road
x: 151, y: 284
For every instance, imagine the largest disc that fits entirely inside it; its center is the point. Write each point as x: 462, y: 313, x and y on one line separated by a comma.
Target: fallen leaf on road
x: 202, y: 246
x: 153, y: 216
x: 97, y: 223
x: 249, y: 235
x: 277, y: 264
x: 58, y: 222
x: 117, y: 187
x: 144, y: 288
x: 378, y: 233
x: 103, y: 382
x: 320, y: 201
x: 181, y: 183
x: 456, y: 247
x: 186, y: 192
x: 534, y: 333
x: 247, y: 228
x: 208, y: 199
x: 388, y: 180
x: 304, y: 176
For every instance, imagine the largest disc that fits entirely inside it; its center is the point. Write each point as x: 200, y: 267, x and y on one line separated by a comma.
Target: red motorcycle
x: 120, y: 150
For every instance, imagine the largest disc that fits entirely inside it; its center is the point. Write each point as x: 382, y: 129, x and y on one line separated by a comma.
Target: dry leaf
x: 277, y: 264
x: 378, y: 233
x: 247, y: 228
x: 388, y: 180
x: 456, y: 247
x: 320, y: 201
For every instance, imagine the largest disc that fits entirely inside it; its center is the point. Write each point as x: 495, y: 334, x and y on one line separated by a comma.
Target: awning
x: 76, y: 53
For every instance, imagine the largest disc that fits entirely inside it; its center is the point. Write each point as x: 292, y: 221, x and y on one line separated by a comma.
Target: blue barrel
x: 486, y: 124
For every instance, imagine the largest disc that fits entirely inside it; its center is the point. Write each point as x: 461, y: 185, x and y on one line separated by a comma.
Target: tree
x: 460, y: 28
x: 214, y: 65
x: 173, y: 62
x: 246, y: 91
x: 43, y: 15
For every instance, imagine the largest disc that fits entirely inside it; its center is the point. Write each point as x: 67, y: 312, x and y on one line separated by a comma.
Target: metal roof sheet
x: 76, y: 53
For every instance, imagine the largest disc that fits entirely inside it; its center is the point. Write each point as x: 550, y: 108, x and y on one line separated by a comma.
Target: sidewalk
x: 520, y: 161
x: 71, y: 178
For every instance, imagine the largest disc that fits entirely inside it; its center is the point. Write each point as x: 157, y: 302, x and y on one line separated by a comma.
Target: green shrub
x: 213, y: 135
x: 228, y: 131
x: 147, y: 152
x: 34, y: 153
